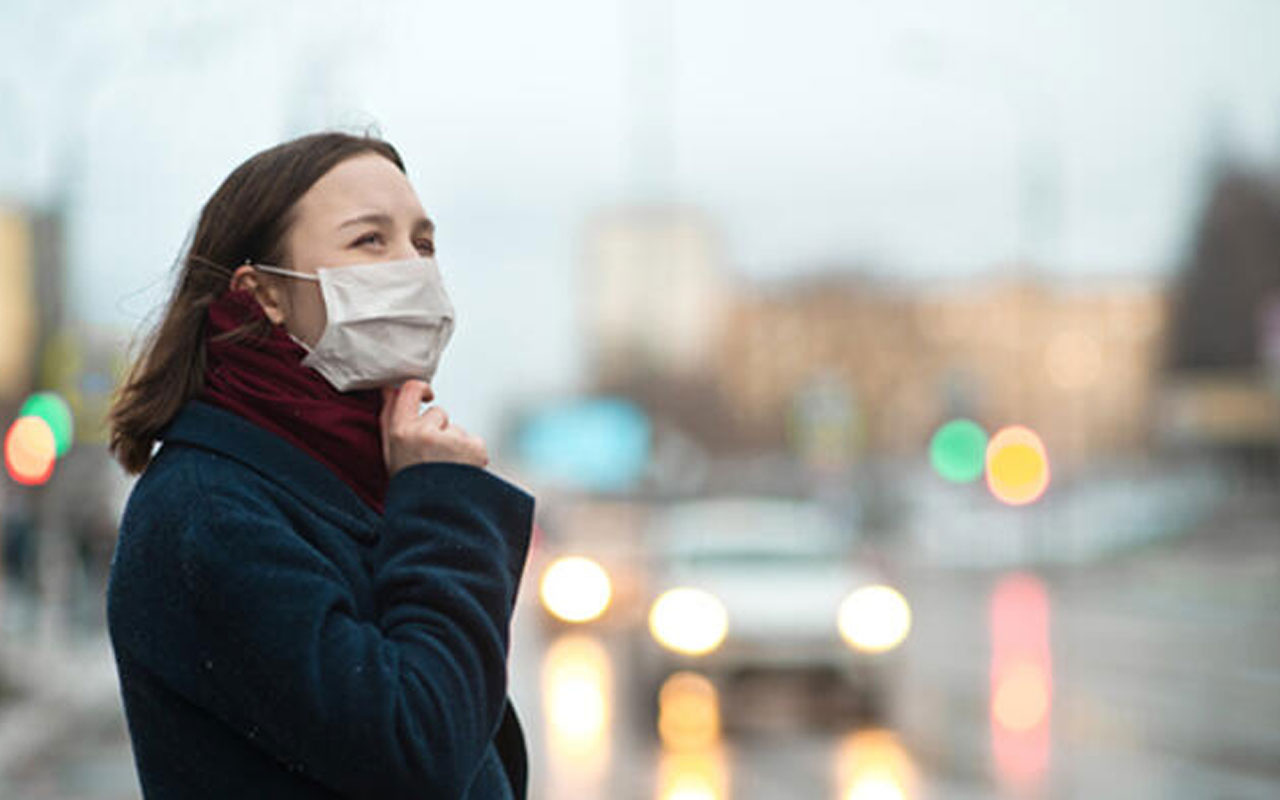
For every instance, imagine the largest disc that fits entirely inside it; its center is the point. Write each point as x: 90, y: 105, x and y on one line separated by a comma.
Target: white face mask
x: 385, y: 322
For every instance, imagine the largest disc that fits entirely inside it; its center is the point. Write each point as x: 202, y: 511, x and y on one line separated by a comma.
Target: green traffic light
x: 959, y: 451
x: 50, y: 407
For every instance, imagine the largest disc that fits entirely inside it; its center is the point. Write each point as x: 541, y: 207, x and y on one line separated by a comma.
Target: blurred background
x: 899, y: 382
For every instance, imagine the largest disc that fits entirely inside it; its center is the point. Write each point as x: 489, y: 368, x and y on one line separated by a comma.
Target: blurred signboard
x: 823, y: 423
x: 594, y: 444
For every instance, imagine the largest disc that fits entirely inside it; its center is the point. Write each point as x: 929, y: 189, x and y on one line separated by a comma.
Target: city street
x: 1162, y: 681
x: 897, y: 388
x: 1153, y: 675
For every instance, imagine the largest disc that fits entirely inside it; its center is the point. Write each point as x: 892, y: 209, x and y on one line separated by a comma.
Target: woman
x: 312, y: 590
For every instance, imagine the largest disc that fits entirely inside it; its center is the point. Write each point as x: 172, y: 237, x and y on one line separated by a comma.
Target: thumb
x: 388, y: 403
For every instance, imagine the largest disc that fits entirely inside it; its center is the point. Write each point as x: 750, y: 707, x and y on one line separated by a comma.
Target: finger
x: 460, y: 441
x: 435, y: 418
x: 478, y: 449
x: 411, y: 394
x: 471, y: 449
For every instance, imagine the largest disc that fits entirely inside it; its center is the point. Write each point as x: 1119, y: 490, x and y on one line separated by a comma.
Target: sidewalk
x: 62, y: 727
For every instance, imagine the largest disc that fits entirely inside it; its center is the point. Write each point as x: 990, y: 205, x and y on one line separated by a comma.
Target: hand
x: 409, y: 438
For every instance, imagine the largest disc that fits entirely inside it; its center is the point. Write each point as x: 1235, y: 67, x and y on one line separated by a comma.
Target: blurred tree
x: 1233, y: 268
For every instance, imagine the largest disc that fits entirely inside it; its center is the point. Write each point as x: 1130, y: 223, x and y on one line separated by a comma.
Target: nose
x: 405, y: 249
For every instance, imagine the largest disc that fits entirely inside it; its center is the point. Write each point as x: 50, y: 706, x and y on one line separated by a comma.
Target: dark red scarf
x: 265, y: 382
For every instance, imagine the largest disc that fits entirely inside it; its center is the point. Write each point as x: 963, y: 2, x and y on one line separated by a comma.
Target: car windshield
x: 750, y: 532
x: 751, y: 559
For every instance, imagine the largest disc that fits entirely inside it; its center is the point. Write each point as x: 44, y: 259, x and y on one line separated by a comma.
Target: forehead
x: 364, y: 183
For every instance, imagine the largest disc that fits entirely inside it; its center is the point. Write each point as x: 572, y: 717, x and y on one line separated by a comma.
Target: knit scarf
x: 265, y: 382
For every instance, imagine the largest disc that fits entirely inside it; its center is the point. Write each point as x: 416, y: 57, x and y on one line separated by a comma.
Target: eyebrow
x: 378, y: 218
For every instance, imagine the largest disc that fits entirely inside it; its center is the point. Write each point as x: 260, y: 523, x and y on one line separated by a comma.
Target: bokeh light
x: 577, y: 695
x: 875, y: 787
x: 1021, y: 697
x: 576, y: 589
x: 689, y: 621
x: 1017, y: 466
x: 874, y: 619
x: 1074, y: 359
x: 30, y: 451
x: 688, y: 711
x: 871, y: 764
x: 50, y: 407
x: 1021, y: 679
x: 958, y: 451
x: 700, y: 774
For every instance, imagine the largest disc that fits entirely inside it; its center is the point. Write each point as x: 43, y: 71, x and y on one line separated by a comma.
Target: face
x: 363, y: 210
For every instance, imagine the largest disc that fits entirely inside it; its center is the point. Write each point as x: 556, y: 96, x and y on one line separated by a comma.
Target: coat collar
x: 221, y: 431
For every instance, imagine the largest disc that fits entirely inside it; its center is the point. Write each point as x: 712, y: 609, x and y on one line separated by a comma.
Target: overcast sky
x: 885, y: 135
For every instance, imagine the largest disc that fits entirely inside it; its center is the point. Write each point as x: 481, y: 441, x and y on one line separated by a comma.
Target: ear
x: 268, y: 293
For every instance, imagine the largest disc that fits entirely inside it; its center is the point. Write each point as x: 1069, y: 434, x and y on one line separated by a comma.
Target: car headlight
x: 576, y: 589
x: 874, y: 619
x: 689, y: 621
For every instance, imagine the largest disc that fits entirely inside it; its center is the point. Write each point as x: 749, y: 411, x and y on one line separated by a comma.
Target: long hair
x: 245, y: 219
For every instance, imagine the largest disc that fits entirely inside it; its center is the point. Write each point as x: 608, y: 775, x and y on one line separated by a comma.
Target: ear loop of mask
x: 286, y: 272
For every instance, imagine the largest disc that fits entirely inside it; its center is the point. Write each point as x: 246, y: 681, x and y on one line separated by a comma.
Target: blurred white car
x: 750, y: 585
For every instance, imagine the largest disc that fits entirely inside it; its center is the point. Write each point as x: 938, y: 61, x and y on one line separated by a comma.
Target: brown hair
x: 245, y: 219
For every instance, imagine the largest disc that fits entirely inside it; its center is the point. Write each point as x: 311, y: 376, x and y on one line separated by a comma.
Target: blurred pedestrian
x: 313, y: 585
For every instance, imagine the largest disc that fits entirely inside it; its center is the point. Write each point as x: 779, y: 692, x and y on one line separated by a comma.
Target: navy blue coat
x: 278, y: 638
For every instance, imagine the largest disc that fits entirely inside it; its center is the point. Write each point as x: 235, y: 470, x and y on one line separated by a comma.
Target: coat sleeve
x: 400, y: 708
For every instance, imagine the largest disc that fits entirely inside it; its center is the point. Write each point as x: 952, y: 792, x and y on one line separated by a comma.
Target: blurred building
x: 1098, y: 367
x: 1077, y: 363
x: 32, y: 273
x: 654, y: 290
x: 18, y: 310
x: 654, y: 296
x: 1222, y: 383
x: 834, y: 367
x: 1230, y: 277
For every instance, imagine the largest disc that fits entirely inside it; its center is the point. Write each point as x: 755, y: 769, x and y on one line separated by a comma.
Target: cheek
x: 307, y: 317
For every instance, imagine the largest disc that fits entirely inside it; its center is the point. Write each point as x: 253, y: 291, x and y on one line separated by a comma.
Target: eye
x: 368, y: 238
x: 425, y: 246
